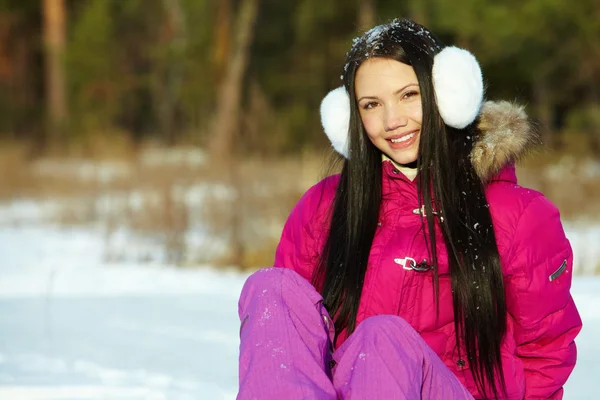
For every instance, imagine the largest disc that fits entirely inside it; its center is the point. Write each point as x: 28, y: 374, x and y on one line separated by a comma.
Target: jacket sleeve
x: 539, y: 300
x: 300, y: 245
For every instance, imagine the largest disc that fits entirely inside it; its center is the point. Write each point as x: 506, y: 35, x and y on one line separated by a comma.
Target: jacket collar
x: 507, y: 174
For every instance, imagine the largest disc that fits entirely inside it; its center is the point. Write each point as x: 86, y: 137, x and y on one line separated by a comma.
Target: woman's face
x: 389, y: 102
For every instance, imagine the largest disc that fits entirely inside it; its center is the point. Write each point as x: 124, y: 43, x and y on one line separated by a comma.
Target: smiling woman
x: 390, y: 107
x: 423, y: 270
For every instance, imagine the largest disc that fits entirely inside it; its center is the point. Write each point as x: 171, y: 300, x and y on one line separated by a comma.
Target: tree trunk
x: 226, y: 121
x: 222, y: 35
x: 171, y: 80
x: 54, y: 40
x: 225, y: 128
x: 366, y: 15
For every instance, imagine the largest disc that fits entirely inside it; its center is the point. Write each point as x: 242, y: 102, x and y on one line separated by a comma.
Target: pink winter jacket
x: 538, y: 350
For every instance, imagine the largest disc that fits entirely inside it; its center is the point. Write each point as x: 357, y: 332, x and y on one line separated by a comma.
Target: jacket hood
x: 506, y: 135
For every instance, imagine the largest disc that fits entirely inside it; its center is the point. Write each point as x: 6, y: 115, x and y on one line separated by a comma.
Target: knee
x: 264, y: 282
x: 386, y: 337
x: 389, y: 334
x: 274, y: 278
x: 271, y: 283
x: 386, y: 326
x: 265, y: 277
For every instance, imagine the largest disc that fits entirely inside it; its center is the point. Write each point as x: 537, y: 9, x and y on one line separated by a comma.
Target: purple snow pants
x: 286, y: 350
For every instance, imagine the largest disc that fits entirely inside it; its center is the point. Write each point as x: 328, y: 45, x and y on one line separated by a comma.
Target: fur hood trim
x: 506, y: 136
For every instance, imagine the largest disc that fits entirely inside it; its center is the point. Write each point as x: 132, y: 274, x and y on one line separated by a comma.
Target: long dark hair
x: 447, y: 184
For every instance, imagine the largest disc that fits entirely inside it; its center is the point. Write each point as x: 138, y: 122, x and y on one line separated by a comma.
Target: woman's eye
x: 370, y: 105
x: 410, y: 94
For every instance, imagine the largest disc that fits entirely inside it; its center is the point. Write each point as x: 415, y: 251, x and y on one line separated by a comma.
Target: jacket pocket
x: 559, y: 271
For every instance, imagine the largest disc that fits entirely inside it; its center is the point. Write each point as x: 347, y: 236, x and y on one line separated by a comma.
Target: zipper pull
x: 421, y: 212
x: 410, y: 264
x: 406, y: 262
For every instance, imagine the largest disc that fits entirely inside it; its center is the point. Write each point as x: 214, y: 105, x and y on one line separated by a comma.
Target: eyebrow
x: 396, y: 92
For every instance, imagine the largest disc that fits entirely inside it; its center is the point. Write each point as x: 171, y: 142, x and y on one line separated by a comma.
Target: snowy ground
x: 72, y: 327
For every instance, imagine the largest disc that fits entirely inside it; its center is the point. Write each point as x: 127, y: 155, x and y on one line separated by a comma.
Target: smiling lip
x: 403, y: 144
x: 401, y: 135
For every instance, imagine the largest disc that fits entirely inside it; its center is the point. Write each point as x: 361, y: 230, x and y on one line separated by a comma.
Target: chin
x: 404, y: 159
x: 403, y: 156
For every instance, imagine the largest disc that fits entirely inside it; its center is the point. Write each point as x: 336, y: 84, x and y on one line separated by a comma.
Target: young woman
x: 423, y: 270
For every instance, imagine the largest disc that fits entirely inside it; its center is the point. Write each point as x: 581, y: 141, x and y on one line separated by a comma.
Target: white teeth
x: 403, y: 138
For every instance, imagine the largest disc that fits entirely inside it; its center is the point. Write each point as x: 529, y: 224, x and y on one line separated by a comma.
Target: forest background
x: 191, y: 127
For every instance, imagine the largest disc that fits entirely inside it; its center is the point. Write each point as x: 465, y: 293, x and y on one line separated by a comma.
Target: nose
x: 394, y: 118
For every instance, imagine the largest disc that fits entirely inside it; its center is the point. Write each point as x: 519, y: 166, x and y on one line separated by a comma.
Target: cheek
x: 371, y: 125
x: 416, y: 113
